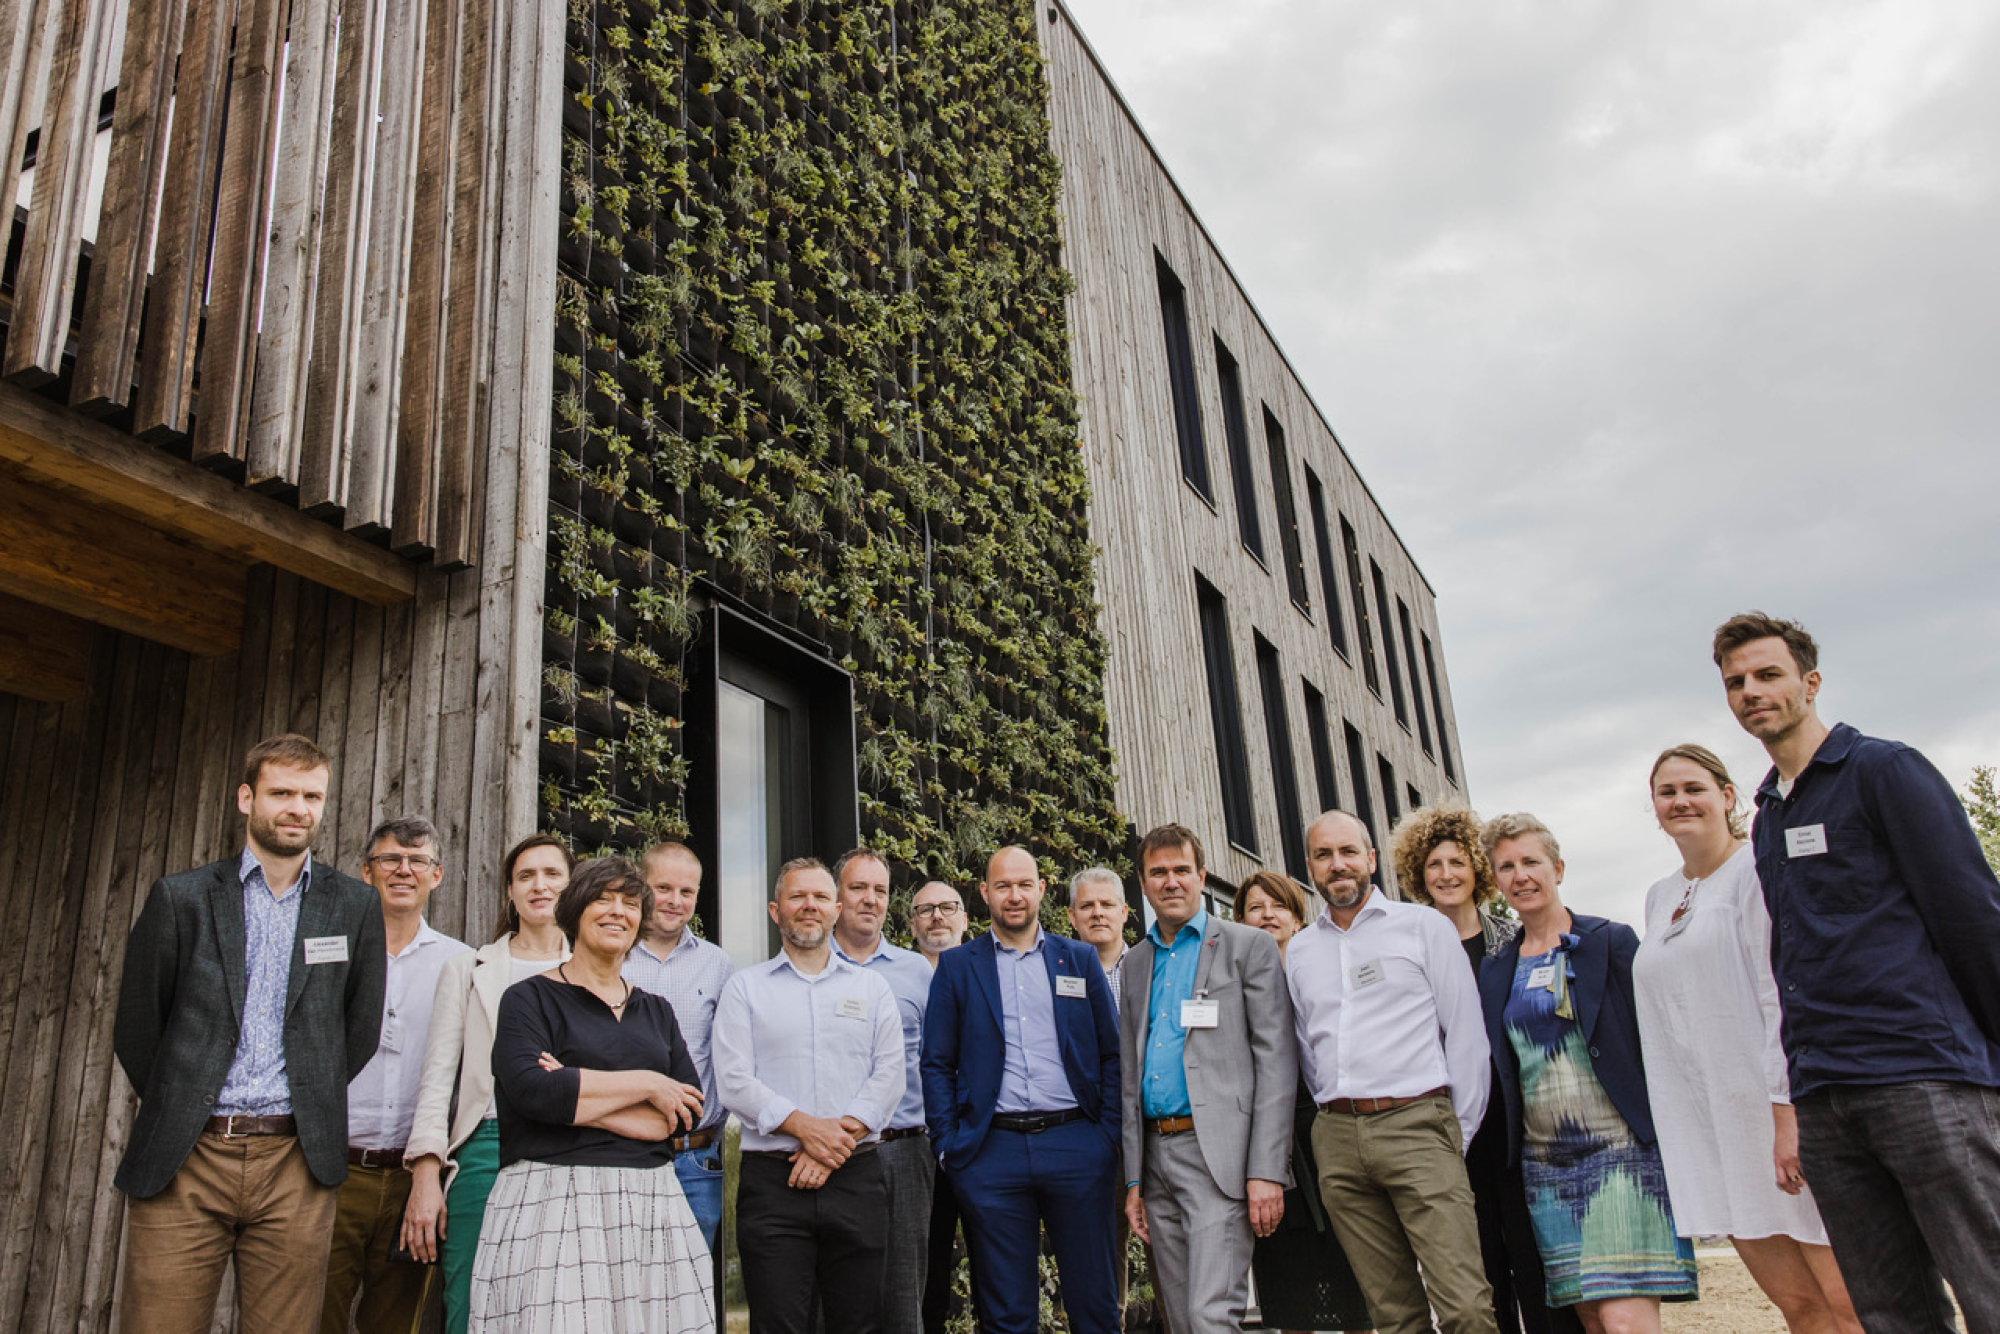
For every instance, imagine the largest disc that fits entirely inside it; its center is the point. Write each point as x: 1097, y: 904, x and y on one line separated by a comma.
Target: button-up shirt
x: 1885, y: 920
x: 1386, y: 1008
x: 382, y: 1099
x: 1164, y: 1088
x: 1112, y: 978
x: 1032, y: 1078
x: 690, y: 978
x: 256, y: 1084
x: 829, y: 1044
x: 909, y: 977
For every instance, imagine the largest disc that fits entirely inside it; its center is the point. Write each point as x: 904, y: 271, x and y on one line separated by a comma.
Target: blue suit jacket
x: 965, y: 1050
x: 1604, y: 1009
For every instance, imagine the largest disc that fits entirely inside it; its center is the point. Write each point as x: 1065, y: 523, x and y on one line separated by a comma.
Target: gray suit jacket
x: 1242, y: 1074
x: 180, y: 1010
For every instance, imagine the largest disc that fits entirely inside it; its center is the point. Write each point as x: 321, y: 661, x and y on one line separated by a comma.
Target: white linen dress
x: 1708, y: 1025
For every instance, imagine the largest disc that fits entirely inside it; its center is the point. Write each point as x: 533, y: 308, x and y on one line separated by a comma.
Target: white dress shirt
x: 382, y: 1099
x: 829, y: 1044
x: 1388, y: 1009
x: 690, y: 978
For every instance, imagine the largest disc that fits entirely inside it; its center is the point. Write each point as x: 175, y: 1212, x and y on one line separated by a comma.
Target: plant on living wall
x: 811, y: 351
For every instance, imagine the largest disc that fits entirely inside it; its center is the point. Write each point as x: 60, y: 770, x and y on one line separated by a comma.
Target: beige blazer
x: 458, y: 1052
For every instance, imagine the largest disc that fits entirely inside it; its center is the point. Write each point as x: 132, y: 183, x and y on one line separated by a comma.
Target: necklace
x: 1687, y: 899
x: 616, y: 1007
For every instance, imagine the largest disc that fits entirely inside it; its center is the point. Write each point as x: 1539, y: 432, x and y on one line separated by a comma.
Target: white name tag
x: 1366, y: 974
x: 1541, y: 977
x: 1808, y: 840
x: 1200, y: 1013
x: 851, y: 1007
x: 1070, y: 986
x: 326, y: 949
x: 392, y: 1035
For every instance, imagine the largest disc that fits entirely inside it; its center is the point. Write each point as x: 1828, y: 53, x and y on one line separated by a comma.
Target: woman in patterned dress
x: 1565, y: 1037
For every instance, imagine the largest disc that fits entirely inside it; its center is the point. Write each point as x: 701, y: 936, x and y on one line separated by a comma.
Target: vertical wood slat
x: 18, y: 19
x: 45, y: 281
x: 107, y: 345
x: 336, y: 663
x: 356, y: 743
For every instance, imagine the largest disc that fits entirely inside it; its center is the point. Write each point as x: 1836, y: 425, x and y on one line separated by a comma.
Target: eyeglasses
x: 416, y: 861
x: 935, y: 909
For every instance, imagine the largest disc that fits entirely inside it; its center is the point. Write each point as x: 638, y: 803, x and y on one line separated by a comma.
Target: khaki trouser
x: 1396, y: 1193
x: 253, y: 1198
x: 366, y: 1226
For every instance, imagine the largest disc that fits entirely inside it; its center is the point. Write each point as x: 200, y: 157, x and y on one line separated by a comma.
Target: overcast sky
x: 1633, y: 314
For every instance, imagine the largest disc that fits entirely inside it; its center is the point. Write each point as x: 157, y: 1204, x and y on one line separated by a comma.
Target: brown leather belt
x: 889, y: 1136
x: 1171, y: 1125
x: 237, y: 1127
x: 694, y: 1139
x: 1369, y: 1106
x: 374, y: 1157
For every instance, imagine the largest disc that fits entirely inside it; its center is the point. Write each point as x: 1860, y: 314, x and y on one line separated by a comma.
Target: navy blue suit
x: 1010, y: 1183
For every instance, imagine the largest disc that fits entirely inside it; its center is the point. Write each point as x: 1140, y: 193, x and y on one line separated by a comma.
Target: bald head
x: 1340, y: 856
x: 1342, y: 823
x: 1013, y: 891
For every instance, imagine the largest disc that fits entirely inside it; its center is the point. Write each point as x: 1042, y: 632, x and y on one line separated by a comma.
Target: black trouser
x: 943, y: 1267
x: 794, y: 1242
x: 1507, y: 1237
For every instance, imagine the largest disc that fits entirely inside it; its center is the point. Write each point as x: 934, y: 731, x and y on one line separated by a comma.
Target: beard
x: 284, y: 839
x: 803, y: 935
x: 1344, y: 893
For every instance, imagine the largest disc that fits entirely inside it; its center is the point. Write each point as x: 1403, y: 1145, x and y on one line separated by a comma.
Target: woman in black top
x: 586, y: 1228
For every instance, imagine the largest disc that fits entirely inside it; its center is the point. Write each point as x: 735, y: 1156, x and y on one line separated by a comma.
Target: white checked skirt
x: 602, y: 1250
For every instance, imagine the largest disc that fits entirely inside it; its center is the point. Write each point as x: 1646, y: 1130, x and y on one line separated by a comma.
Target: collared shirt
x: 1112, y: 977
x: 1164, y: 1089
x: 256, y: 1084
x: 382, y: 1099
x: 1032, y: 1078
x: 910, y: 978
x: 1387, y: 1009
x: 1885, y: 920
x: 829, y: 1044
x: 690, y: 978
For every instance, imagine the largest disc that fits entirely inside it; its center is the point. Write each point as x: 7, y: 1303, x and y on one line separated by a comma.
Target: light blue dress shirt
x: 910, y: 978
x: 257, y: 1084
x: 1033, y: 1078
x: 1164, y: 1090
x: 690, y: 978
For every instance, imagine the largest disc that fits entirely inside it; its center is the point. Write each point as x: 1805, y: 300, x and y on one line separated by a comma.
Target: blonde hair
x: 1518, y: 825
x: 1418, y: 834
x: 1709, y: 761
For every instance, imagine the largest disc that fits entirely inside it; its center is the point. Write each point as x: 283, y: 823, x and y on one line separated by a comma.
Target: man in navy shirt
x: 1885, y: 942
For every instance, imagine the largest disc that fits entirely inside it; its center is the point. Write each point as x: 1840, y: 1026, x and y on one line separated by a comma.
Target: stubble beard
x: 286, y: 840
x: 801, y: 936
x: 1354, y: 891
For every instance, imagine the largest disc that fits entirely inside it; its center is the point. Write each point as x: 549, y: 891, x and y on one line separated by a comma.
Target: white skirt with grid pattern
x: 602, y: 1250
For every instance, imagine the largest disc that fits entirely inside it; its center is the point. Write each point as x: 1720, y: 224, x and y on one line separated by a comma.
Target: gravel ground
x: 1731, y: 1302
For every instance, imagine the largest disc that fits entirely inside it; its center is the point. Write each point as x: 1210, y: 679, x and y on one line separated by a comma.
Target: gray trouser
x: 909, y: 1172
x: 1201, y: 1238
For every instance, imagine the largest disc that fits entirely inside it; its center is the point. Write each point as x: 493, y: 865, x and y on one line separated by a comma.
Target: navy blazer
x: 1603, y: 995
x: 965, y: 1049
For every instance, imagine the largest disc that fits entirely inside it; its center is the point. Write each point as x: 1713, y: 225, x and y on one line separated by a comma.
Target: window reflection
x: 744, y: 788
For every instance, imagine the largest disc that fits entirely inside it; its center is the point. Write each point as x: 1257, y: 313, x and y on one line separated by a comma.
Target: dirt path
x: 1730, y: 1302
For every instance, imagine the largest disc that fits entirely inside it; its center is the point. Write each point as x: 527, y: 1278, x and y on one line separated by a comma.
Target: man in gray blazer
x: 1210, y: 1078
x: 252, y: 995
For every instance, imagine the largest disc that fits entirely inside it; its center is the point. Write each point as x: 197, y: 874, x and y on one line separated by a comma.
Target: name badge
x: 1200, y: 1013
x: 326, y: 949
x: 1808, y: 840
x: 851, y: 1007
x: 1070, y: 986
x: 1543, y: 977
x: 1366, y: 974
x: 392, y: 1036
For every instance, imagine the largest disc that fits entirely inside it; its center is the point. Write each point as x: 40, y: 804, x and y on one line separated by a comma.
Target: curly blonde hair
x: 1417, y: 835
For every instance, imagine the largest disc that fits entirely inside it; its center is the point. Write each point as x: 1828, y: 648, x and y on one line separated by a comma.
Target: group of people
x: 1470, y: 1104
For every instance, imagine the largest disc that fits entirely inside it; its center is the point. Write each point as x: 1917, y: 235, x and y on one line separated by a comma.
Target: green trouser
x: 464, y: 1210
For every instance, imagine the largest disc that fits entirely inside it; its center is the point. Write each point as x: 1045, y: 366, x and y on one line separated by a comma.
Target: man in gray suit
x: 252, y: 995
x: 1210, y: 1078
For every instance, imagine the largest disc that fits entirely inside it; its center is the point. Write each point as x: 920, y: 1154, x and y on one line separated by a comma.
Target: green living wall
x: 811, y: 351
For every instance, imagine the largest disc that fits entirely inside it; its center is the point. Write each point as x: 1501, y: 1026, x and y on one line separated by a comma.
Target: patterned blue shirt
x: 690, y: 979
x: 910, y: 978
x: 1033, y: 1078
x: 257, y: 1084
x: 1164, y: 1091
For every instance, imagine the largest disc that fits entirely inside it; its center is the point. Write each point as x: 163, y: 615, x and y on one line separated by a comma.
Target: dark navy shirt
x: 1885, y: 920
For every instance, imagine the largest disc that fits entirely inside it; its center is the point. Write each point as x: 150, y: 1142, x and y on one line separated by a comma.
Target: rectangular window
x: 1288, y: 513
x: 1416, y: 797
x: 1225, y: 709
x: 1388, y: 772
x: 1369, y: 671
x: 1284, y: 770
x: 1389, y: 647
x: 1437, y: 712
x: 1416, y: 681
x: 1248, y: 526
x: 1357, y: 773
x: 1180, y: 376
x: 1319, y: 729
x: 1329, y: 582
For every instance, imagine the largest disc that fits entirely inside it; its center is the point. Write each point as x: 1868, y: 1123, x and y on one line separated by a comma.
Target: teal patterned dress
x: 1598, y: 1196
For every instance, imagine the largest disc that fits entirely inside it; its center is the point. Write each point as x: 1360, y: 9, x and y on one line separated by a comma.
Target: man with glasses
x: 937, y: 923
x: 937, y: 920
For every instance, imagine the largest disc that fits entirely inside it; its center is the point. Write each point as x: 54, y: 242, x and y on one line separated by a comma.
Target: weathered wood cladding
x: 1155, y: 533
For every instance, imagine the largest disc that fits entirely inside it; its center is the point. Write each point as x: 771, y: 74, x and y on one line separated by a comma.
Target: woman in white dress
x: 1708, y: 1024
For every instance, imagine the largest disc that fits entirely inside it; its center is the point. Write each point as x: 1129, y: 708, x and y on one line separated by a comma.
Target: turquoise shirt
x: 1164, y: 1090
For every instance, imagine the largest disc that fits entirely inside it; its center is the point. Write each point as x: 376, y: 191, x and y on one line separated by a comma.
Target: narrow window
x: 1329, y: 582
x: 1284, y: 771
x: 1357, y: 773
x: 1248, y: 526
x: 1389, y: 648
x: 1320, y: 731
x: 1388, y: 772
x: 1288, y: 513
x: 1180, y: 375
x: 1437, y: 711
x: 1369, y: 672
x: 1225, y: 710
x: 1416, y: 797
x: 1416, y: 681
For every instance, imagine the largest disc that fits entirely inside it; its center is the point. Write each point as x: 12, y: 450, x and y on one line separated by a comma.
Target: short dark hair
x: 591, y: 881
x: 856, y: 854
x: 1750, y: 626
x: 1171, y: 837
x: 287, y: 748
x: 510, y: 918
x: 410, y: 830
x: 1284, y: 891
